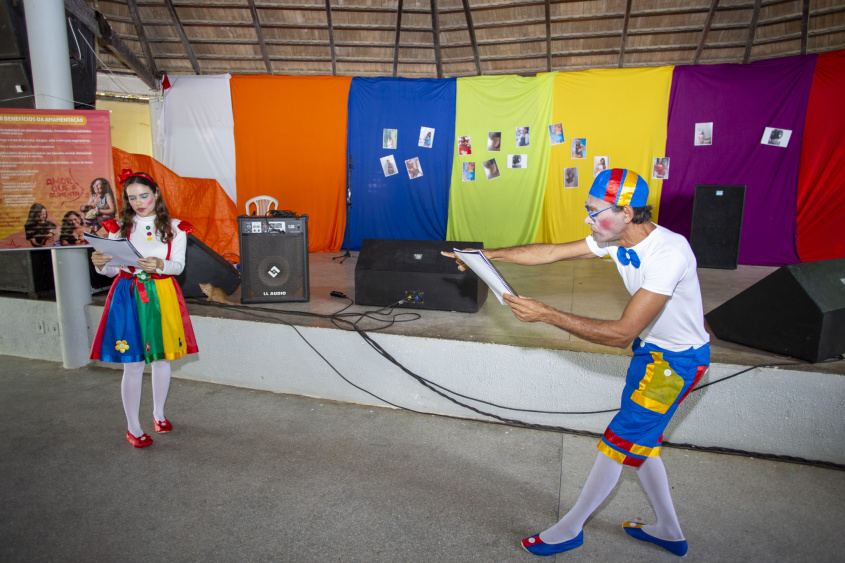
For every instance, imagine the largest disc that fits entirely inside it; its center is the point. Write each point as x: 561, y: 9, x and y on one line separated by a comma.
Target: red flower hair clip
x: 125, y: 174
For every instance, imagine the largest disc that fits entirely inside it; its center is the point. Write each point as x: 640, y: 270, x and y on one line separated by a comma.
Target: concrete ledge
x: 766, y: 410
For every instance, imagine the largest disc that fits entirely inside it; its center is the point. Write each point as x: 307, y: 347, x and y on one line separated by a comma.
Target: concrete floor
x: 257, y: 476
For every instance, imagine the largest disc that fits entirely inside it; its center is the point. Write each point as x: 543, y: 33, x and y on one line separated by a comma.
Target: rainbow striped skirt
x: 145, y: 319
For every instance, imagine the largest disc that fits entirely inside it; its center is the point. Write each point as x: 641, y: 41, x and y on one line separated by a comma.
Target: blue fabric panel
x: 396, y: 206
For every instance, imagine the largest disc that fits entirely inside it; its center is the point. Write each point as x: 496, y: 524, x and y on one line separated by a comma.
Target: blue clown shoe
x: 634, y: 529
x: 538, y: 547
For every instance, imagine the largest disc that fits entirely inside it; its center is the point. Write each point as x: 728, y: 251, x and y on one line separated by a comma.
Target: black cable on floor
x: 340, y: 320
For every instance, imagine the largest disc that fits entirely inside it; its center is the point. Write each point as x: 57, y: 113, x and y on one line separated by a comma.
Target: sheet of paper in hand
x: 478, y: 263
x: 120, y: 249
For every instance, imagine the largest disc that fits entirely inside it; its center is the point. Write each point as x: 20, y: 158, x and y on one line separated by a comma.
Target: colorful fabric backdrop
x: 290, y: 143
x: 200, y: 202
x: 740, y: 101
x: 505, y: 210
x: 821, y: 182
x: 622, y: 115
x: 195, y: 129
x: 395, y: 206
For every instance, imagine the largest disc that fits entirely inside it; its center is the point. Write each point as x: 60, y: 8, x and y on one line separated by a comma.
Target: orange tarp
x: 290, y: 143
x: 200, y: 202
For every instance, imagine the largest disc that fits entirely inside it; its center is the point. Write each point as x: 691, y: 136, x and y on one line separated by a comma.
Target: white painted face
x: 607, y: 225
x: 141, y: 199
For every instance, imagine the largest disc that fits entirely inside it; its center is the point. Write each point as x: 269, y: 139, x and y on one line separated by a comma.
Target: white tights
x: 601, y: 481
x: 130, y: 391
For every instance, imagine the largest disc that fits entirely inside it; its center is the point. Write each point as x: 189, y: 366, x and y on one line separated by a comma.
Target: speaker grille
x: 274, y: 260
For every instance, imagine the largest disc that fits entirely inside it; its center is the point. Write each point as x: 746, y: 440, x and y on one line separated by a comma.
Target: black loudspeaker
x: 274, y: 259
x: 15, y: 86
x: 27, y: 271
x: 798, y: 311
x: 717, y: 225
x: 203, y: 265
x: 414, y: 271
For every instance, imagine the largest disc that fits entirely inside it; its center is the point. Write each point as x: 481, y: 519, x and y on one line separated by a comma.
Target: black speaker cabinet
x: 203, y: 265
x: 415, y: 272
x: 717, y: 225
x: 274, y: 259
x: 27, y: 271
x: 798, y: 311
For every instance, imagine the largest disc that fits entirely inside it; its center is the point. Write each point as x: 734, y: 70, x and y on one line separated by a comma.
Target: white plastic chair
x: 263, y: 204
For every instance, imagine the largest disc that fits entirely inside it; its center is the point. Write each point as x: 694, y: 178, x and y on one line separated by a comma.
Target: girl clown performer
x: 145, y: 320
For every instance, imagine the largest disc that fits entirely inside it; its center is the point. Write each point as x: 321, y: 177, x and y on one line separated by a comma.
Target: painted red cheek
x: 604, y: 224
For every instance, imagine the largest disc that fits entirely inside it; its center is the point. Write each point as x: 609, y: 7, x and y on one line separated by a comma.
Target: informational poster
x: 55, y: 177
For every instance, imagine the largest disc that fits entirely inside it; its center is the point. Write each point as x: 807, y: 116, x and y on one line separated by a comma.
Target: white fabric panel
x: 197, y: 129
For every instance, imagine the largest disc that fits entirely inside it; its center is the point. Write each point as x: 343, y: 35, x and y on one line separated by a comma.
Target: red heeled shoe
x: 141, y: 442
x: 163, y: 426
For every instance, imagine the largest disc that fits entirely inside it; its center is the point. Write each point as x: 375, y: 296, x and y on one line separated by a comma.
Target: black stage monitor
x: 798, y: 311
x: 414, y: 271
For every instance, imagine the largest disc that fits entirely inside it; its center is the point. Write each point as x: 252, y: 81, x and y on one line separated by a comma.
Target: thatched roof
x: 442, y: 38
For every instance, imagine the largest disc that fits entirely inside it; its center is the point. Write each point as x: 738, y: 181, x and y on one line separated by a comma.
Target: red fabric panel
x: 821, y: 177
x: 290, y: 143
x: 200, y: 202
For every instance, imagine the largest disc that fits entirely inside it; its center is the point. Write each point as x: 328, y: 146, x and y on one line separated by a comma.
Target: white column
x: 46, y: 28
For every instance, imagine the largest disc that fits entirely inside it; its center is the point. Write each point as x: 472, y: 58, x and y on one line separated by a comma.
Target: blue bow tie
x: 627, y: 256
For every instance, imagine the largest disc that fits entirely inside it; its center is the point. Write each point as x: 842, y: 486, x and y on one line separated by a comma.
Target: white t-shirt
x: 151, y: 246
x: 667, y: 267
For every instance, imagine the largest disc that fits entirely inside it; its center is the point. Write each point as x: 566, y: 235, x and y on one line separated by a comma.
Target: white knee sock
x: 161, y: 384
x: 130, y: 392
x: 602, y: 479
x: 652, y: 474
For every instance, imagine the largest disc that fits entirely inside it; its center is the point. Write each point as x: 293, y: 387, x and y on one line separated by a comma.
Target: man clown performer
x: 664, y: 324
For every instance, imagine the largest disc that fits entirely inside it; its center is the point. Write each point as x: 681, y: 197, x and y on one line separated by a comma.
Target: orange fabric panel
x: 200, y: 202
x: 290, y: 143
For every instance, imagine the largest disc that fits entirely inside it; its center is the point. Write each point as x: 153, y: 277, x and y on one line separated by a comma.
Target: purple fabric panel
x: 740, y: 101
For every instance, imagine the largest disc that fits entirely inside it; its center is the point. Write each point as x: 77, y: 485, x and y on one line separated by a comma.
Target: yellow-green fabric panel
x: 504, y: 211
x: 623, y: 114
x: 130, y: 126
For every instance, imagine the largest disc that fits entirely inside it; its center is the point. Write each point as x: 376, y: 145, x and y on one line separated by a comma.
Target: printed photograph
x: 556, y: 133
x: 703, y: 134
x: 491, y: 169
x: 600, y: 164
x: 389, y: 139
x: 388, y: 165
x: 426, y: 137
x: 660, y: 171
x: 776, y: 137
x: 570, y: 177
x: 517, y: 161
x: 464, y: 145
x: 414, y: 168
x: 579, y: 148
x: 494, y: 141
x: 468, y: 172
x: 522, y: 137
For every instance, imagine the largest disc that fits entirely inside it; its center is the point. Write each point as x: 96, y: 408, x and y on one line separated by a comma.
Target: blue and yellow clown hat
x: 620, y: 186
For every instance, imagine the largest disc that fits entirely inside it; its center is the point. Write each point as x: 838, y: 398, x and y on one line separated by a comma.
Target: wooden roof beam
x: 100, y: 27
x: 472, y: 39
x: 624, y: 34
x: 142, y: 37
x: 181, y: 32
x: 260, y: 34
x: 396, y: 42
x: 805, y: 25
x: 548, y: 36
x: 331, y: 35
x: 713, y: 5
x: 435, y: 31
x: 752, y: 29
